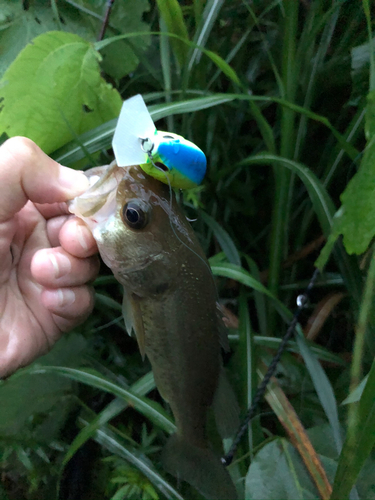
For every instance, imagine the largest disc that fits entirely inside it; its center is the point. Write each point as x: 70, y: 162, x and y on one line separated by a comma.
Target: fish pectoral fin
x: 133, y: 320
x: 225, y: 406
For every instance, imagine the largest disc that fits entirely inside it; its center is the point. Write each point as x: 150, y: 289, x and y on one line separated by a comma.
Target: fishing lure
x: 165, y: 156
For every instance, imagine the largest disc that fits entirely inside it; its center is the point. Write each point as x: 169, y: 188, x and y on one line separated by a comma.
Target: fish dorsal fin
x: 131, y: 312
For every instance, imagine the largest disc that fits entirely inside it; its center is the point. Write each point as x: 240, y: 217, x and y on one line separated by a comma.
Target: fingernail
x: 65, y: 297
x: 73, y: 181
x: 61, y: 265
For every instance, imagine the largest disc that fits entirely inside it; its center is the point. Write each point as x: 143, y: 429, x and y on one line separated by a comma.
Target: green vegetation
x: 281, y: 97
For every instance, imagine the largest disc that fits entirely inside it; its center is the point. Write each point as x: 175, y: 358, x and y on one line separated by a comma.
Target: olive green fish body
x: 170, y: 303
x: 182, y: 344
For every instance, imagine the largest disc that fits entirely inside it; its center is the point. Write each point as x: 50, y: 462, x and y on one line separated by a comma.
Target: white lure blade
x: 134, y: 122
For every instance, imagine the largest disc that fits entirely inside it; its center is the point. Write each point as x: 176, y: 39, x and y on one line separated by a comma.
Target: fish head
x: 137, y: 225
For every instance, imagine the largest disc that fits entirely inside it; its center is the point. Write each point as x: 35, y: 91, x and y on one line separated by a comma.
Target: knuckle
x: 87, y: 302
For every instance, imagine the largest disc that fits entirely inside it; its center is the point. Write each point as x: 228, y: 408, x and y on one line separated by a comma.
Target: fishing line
x: 301, y: 302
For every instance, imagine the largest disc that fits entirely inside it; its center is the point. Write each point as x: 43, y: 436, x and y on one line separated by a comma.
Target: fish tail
x: 200, y: 467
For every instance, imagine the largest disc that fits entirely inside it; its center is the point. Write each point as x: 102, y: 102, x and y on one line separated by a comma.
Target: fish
x: 170, y: 303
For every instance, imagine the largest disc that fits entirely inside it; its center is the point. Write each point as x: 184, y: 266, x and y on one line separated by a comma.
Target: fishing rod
x: 301, y: 302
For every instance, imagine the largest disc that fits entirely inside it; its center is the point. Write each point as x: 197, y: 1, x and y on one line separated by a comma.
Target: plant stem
x: 359, y: 342
x: 280, y: 218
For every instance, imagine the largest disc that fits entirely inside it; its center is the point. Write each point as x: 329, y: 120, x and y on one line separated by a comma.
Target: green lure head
x: 165, y: 156
x: 174, y: 160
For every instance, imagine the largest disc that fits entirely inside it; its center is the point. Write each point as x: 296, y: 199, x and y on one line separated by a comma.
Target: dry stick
x: 227, y: 459
x: 106, y: 19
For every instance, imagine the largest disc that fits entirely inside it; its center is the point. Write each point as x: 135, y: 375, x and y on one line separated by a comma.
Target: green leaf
x: 215, y: 58
x: 225, y: 241
x: 355, y: 395
x: 355, y: 219
x: 115, y: 444
x: 227, y: 270
x: 319, y: 351
x: 62, y: 95
x: 202, y: 33
x: 101, y: 137
x: 83, y: 19
x: 23, y: 396
x: 126, y: 17
x: 239, y: 274
x: 367, y: 10
x: 356, y: 450
x: 171, y: 13
x: 276, y: 472
x: 146, y: 407
x: 323, y: 389
x: 323, y: 205
x: 360, y: 65
x: 247, y: 365
x: 361, y: 418
x: 21, y: 26
x: 114, y: 408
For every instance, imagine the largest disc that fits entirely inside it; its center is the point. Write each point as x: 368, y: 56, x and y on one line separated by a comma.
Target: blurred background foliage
x: 281, y: 97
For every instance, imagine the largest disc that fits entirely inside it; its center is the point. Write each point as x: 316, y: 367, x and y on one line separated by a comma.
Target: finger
x: 49, y: 210
x: 26, y: 173
x: 76, y: 238
x: 69, y: 306
x: 55, y: 268
x: 54, y: 226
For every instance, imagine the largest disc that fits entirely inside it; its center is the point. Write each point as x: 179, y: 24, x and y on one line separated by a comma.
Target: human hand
x: 46, y: 256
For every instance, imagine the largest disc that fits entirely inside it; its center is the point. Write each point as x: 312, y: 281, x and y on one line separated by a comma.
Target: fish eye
x: 135, y: 215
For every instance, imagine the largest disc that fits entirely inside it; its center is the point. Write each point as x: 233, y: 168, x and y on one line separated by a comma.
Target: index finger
x: 27, y: 173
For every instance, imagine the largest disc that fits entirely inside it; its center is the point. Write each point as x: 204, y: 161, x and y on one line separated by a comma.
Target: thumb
x: 27, y: 173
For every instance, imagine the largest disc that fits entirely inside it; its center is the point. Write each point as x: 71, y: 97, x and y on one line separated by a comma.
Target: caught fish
x: 170, y: 304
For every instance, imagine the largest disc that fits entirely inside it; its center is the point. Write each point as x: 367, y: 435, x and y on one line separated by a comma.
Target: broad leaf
x: 272, y: 474
x: 39, y: 403
x: 126, y: 17
x: 355, y: 219
x: 54, y: 91
x: 20, y: 22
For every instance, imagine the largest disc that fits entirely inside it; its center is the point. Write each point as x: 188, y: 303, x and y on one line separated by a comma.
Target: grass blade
x: 215, y: 58
x: 323, y: 389
x: 115, y: 444
x: 203, y: 31
x: 239, y: 274
x: 171, y: 13
x: 248, y: 363
x: 146, y: 407
x: 288, y: 418
x: 225, y: 241
x: 101, y: 137
x: 322, y: 203
x: 114, y: 408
